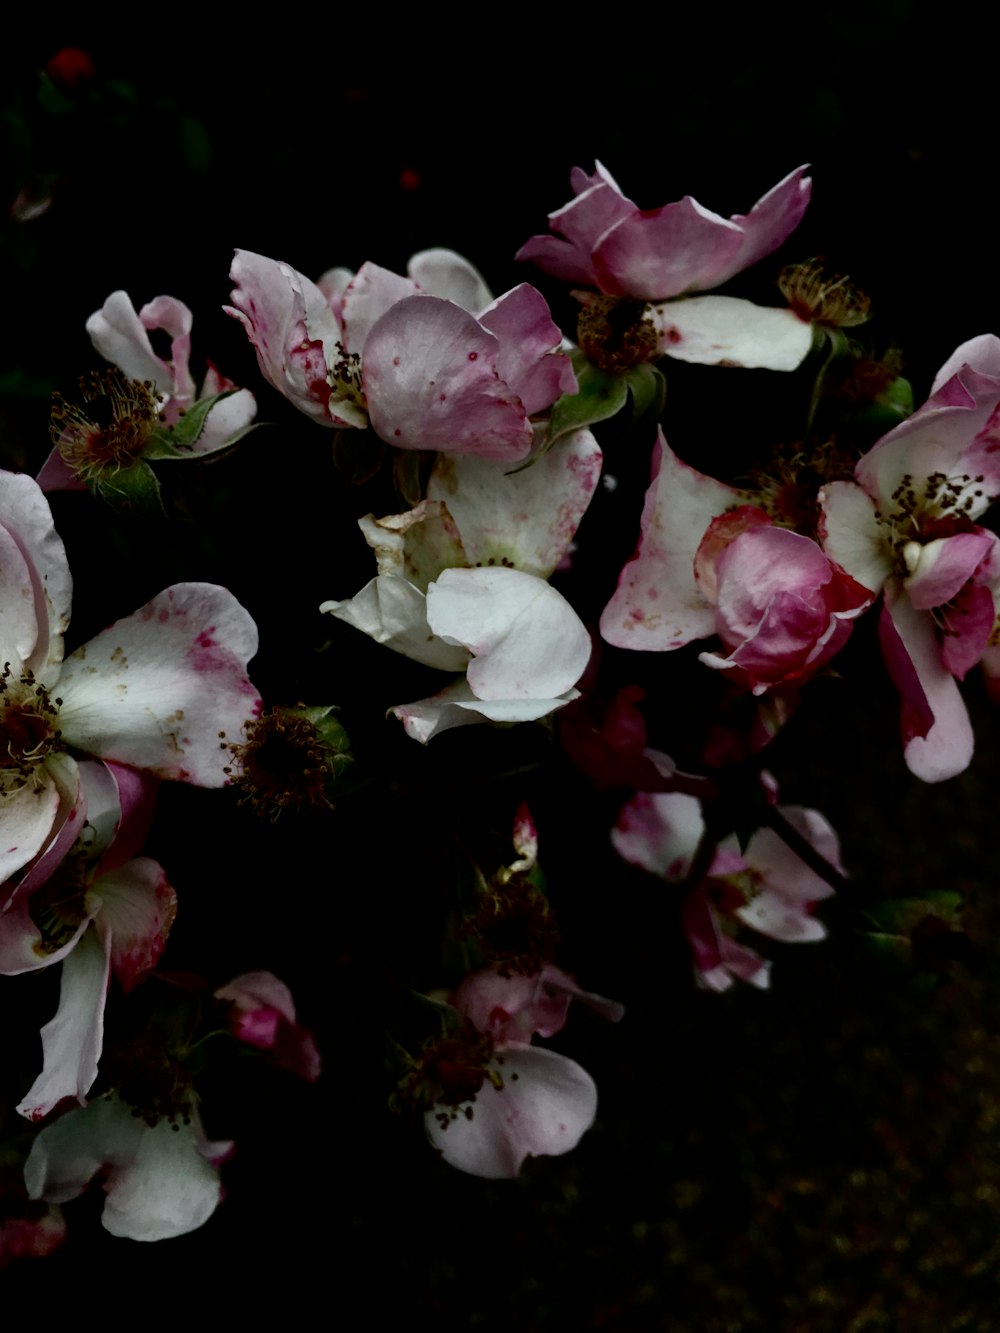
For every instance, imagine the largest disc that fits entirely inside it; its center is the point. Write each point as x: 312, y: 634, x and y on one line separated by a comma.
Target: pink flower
x: 906, y: 526
x: 153, y: 691
x: 513, y: 1100
x: 765, y: 887
x: 706, y: 565
x: 423, y: 370
x: 604, y: 240
x: 263, y: 1015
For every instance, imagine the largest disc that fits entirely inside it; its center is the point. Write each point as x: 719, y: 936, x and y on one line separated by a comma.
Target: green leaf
x: 599, y: 396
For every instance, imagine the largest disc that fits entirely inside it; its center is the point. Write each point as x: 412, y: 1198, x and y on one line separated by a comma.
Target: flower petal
x: 660, y: 832
x: 546, y: 1105
x: 431, y: 379
x: 441, y: 272
x: 727, y: 331
x: 528, y: 517
x: 154, y: 690
x: 527, y: 641
x: 658, y: 605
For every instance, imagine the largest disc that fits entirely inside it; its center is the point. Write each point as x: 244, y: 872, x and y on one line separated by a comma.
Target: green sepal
x: 648, y: 388
x: 179, y: 439
x: 131, y: 490
x: 599, y: 396
x: 344, y: 775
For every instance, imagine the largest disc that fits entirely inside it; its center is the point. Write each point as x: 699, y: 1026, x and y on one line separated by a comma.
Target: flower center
x: 819, y: 297
x: 110, y: 425
x: 150, y: 1080
x: 28, y: 734
x: 941, y: 508
x: 616, y: 333
x: 286, y: 761
x: 345, y: 378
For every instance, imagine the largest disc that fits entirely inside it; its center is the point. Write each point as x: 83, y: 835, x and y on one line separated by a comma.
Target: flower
x: 502, y: 1099
x: 423, y: 370
x: 707, y: 564
x: 604, y: 240
x: 905, y: 526
x: 113, y: 424
x: 95, y: 909
x: 152, y: 691
x: 766, y: 887
x: 161, y: 1180
x: 461, y: 586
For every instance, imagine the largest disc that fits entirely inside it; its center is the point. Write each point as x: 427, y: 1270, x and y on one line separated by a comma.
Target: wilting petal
x: 431, y: 380
x: 528, y: 517
x: 658, y: 605
x: 138, y: 909
x: 726, y: 331
x: 154, y: 690
x: 73, y: 1039
x: 546, y: 1105
x: 981, y: 354
x: 527, y: 641
x: 968, y: 628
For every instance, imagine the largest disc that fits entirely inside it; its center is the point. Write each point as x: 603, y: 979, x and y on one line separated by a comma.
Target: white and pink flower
x: 906, y: 526
x: 708, y: 563
x: 121, y: 335
x: 604, y: 240
x: 765, y: 887
x: 152, y: 691
x: 521, y: 1100
x: 424, y: 370
x: 462, y: 586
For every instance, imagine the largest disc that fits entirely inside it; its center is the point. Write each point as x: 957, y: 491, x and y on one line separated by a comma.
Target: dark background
x: 821, y: 1157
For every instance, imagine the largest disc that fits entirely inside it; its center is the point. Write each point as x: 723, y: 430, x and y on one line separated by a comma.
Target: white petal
x: 546, y: 1105
x: 393, y: 612
x: 727, y: 331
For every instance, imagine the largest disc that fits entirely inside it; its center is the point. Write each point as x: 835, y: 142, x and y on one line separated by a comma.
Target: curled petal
x: 440, y: 272
x: 529, y: 359
x: 457, y: 706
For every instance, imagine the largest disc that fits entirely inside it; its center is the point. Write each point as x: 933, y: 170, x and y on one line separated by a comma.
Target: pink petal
x: 154, y: 690
x: 529, y: 360
x: 371, y: 292
x: 944, y: 566
x: 431, y: 380
x: 657, y: 605
x: 138, y: 909
x: 265, y: 1018
x: 582, y: 222
x: 967, y: 629
x: 771, y: 221
x: 546, y: 1105
x: 981, y: 354
x: 660, y: 832
x: 937, y: 734
x: 174, y: 318
x: 121, y: 336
